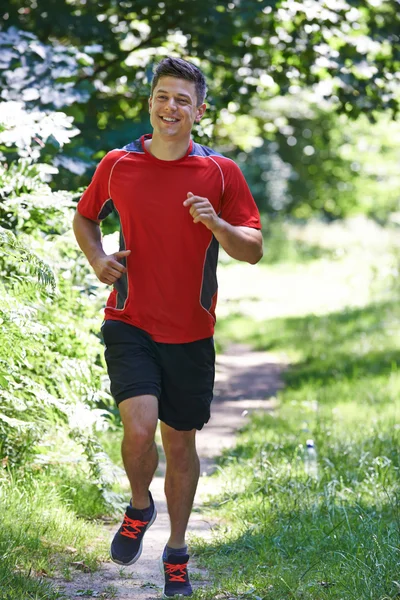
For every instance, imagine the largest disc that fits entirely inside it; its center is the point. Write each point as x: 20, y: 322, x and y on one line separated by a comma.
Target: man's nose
x: 171, y: 104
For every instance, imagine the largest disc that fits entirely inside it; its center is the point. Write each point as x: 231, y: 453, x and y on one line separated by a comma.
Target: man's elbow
x: 257, y: 256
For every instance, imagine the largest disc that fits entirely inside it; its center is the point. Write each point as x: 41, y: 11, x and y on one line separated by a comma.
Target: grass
x: 283, y: 533
x: 40, y: 535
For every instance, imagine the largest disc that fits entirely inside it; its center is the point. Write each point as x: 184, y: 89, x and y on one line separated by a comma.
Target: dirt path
x: 245, y: 381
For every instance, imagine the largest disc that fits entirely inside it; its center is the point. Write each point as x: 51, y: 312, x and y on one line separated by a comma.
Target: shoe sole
x: 139, y: 552
x: 164, y: 597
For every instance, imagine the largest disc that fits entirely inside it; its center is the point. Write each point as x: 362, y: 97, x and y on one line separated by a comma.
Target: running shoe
x: 127, y: 544
x: 176, y: 576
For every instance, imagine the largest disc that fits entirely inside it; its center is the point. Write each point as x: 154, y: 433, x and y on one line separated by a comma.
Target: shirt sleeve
x: 96, y: 203
x: 238, y: 206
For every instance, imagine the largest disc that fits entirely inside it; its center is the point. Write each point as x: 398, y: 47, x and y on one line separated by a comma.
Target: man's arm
x: 88, y: 235
x: 241, y: 243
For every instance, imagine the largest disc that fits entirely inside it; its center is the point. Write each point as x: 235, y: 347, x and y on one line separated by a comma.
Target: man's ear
x: 150, y: 103
x: 200, y: 112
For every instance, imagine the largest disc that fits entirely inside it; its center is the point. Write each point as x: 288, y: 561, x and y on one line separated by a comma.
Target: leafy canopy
x: 103, y: 53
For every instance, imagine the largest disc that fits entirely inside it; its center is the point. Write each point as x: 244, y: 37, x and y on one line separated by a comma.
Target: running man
x: 177, y: 201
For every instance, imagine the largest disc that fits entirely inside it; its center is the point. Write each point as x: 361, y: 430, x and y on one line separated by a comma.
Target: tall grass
x: 40, y: 536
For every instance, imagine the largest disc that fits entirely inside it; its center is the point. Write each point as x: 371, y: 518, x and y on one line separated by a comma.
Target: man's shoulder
x: 113, y: 156
x: 205, y: 152
x: 134, y: 147
x: 201, y: 151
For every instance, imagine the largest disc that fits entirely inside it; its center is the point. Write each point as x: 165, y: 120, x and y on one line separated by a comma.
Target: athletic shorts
x: 181, y: 376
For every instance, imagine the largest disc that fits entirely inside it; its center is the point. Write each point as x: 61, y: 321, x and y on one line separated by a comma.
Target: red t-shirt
x: 170, y: 287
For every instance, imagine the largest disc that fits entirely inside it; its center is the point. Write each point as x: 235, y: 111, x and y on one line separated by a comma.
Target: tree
x: 251, y: 51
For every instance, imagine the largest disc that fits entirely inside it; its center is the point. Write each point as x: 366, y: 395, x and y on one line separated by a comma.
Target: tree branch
x: 143, y: 44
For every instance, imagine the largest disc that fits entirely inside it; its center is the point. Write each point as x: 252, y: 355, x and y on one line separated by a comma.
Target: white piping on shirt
x: 122, y: 233
x: 222, y: 174
x: 215, y: 162
x: 109, y: 177
x: 111, y: 172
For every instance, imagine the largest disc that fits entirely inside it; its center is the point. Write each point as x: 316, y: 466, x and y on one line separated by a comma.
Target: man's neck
x: 167, y: 149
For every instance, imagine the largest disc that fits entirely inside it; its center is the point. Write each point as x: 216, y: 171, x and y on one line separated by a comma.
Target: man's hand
x: 202, y: 211
x: 240, y: 242
x: 107, y: 267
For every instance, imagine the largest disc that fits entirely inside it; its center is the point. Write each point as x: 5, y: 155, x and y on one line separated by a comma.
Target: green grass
x: 285, y: 534
x: 40, y: 535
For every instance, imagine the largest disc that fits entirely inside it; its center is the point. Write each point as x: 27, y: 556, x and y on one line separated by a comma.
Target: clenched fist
x: 107, y: 267
x: 202, y: 211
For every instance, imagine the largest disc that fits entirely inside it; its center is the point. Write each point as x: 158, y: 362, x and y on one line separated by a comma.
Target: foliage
x: 338, y: 57
x: 353, y: 43
x: 313, y: 162
x: 49, y: 368
x: 26, y: 128
x: 94, y: 60
x: 50, y: 379
x: 15, y: 252
x: 50, y: 365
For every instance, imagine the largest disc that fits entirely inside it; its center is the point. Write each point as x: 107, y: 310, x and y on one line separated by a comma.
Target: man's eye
x: 161, y: 97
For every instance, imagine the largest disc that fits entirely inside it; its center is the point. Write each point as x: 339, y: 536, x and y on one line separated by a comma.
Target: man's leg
x: 182, y: 475
x: 139, y: 452
x: 187, y: 384
x: 139, y: 417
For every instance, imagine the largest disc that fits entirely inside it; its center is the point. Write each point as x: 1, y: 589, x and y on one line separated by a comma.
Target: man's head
x: 177, y: 99
x: 181, y: 69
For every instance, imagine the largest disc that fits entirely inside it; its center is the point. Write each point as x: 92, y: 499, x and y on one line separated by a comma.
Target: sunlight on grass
x: 332, y: 532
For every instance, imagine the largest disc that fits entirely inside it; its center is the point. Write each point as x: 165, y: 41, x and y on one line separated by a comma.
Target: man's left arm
x: 241, y: 243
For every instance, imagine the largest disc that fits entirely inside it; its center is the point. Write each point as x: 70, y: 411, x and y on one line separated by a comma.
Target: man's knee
x: 139, y: 437
x: 180, y: 447
x: 139, y: 418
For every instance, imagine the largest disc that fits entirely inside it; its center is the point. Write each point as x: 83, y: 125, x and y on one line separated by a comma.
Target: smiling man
x: 177, y: 201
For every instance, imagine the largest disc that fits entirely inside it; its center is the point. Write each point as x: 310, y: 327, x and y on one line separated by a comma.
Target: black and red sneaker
x: 176, y: 575
x: 127, y: 544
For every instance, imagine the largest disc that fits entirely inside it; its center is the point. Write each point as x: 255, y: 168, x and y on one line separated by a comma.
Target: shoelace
x: 137, y: 526
x: 171, y: 571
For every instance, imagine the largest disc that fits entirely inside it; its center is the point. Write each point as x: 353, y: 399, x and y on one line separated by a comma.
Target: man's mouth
x: 169, y: 119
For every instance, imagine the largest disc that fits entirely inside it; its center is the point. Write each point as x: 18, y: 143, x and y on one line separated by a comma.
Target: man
x: 177, y: 201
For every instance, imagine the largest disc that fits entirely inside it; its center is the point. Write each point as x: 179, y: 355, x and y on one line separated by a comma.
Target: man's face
x: 173, y: 108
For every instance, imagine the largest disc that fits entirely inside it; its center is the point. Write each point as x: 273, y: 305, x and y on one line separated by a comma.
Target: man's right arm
x: 88, y: 235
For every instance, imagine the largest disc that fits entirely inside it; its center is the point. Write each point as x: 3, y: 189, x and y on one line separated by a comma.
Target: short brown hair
x: 181, y: 69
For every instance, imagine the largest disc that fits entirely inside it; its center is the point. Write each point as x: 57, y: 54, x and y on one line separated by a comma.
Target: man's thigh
x: 188, y: 372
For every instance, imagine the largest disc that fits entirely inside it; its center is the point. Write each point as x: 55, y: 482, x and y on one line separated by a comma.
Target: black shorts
x: 181, y: 376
